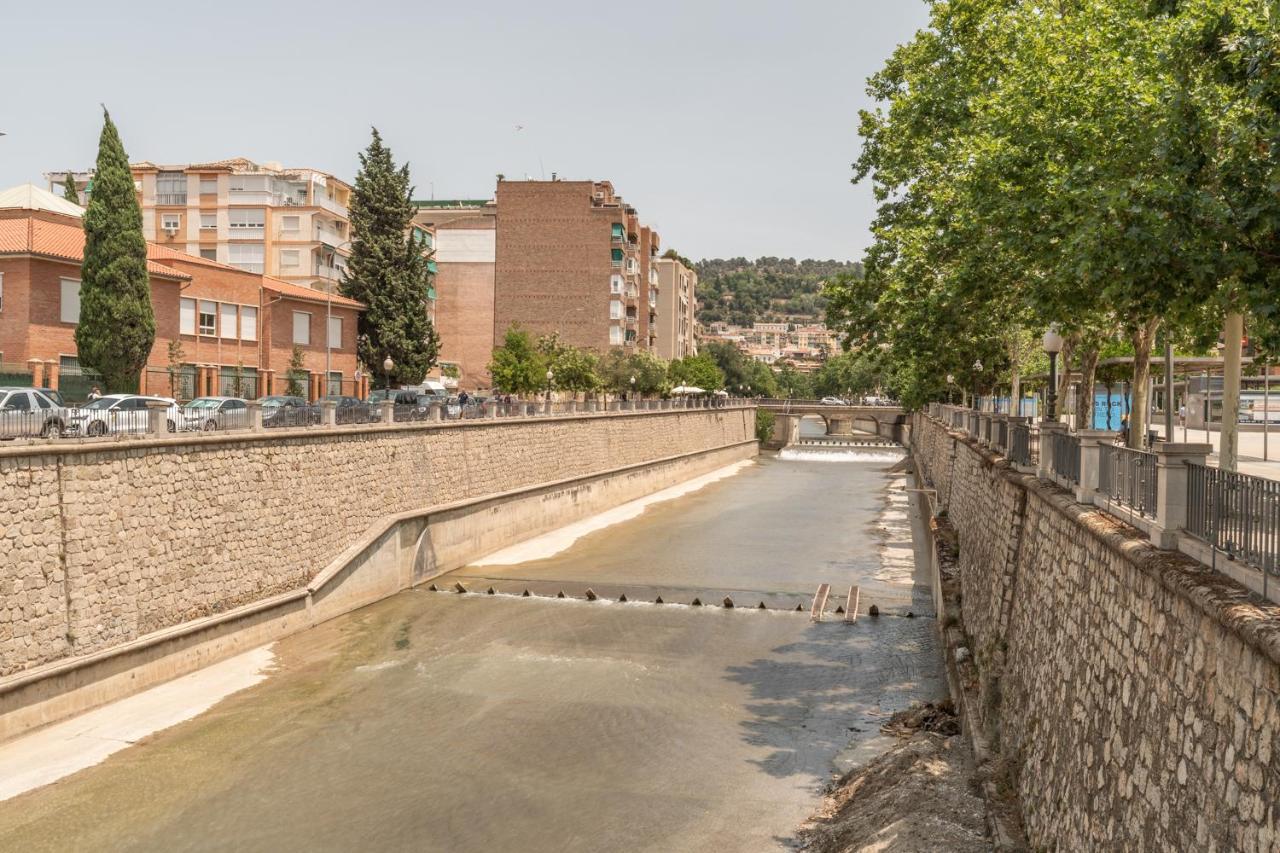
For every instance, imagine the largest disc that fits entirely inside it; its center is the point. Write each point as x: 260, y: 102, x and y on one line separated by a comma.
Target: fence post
x: 1171, y: 489
x: 254, y: 414
x: 328, y: 413
x: 157, y: 420
x: 1091, y: 443
x: 1047, y: 430
x: 388, y: 411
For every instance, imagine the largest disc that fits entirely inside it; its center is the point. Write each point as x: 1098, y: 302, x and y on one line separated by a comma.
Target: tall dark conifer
x: 69, y: 191
x: 388, y: 271
x: 117, y: 325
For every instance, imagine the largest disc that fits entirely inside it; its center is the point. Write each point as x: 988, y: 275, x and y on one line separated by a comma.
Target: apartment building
x: 677, y: 309
x: 288, y: 223
x: 219, y: 329
x: 463, y: 236
x: 572, y: 257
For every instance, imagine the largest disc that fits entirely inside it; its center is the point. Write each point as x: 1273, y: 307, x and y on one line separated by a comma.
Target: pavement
x: 1259, y: 452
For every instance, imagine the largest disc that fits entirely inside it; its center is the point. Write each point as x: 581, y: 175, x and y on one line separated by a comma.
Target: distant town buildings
x: 289, y: 223
x: 805, y: 347
x: 234, y: 330
x: 677, y: 309
x: 572, y: 257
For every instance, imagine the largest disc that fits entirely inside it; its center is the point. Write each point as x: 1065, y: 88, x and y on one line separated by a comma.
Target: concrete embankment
x: 1130, y: 695
x: 125, y: 564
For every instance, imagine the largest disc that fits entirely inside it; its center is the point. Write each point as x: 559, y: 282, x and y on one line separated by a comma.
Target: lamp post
x: 951, y: 381
x: 550, y: 376
x: 387, y: 366
x: 977, y: 374
x: 1052, y: 346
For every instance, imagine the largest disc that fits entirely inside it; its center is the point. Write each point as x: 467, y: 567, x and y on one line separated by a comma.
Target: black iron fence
x: 1065, y: 458
x: 1235, y: 513
x: 1129, y: 477
x: 1000, y: 435
x: 1020, y: 444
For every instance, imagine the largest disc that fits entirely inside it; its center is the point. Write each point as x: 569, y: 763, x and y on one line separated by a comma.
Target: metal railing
x: 1129, y: 477
x: 1019, y: 451
x: 1235, y: 513
x: 1065, y: 450
x: 974, y: 423
x: 1000, y: 435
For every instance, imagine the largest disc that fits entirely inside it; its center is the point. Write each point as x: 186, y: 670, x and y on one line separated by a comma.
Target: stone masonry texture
x: 1133, y: 692
x: 99, y: 548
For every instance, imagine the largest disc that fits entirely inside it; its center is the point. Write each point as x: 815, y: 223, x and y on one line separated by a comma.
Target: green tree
x: 793, y: 383
x: 572, y: 369
x: 176, y: 355
x: 294, y: 388
x: 618, y: 367
x: 697, y: 371
x: 764, y: 424
x: 517, y: 366
x: 117, y: 324
x: 741, y: 373
x: 388, y: 271
x: 69, y: 191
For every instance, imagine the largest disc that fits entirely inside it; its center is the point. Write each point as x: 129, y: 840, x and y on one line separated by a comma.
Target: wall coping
x: 1214, y: 594
x: 368, y: 538
x: 86, y: 446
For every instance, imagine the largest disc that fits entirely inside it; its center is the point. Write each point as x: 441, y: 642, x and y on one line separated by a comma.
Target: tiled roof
x: 297, y: 291
x: 29, y: 235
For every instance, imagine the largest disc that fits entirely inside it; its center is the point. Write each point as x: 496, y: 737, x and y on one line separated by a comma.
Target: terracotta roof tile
x: 58, y: 240
x: 297, y: 291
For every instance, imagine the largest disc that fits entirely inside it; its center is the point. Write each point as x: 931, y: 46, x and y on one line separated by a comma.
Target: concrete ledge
x: 395, y: 553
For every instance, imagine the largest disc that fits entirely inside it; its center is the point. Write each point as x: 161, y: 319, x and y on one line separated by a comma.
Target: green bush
x: 764, y: 424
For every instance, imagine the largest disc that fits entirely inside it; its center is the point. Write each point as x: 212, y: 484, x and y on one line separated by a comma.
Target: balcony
x: 263, y: 197
x: 332, y: 273
x: 330, y: 237
x: 172, y: 199
x: 326, y: 203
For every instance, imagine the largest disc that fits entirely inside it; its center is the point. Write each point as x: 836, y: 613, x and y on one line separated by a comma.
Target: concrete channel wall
x: 126, y: 563
x: 1132, y: 694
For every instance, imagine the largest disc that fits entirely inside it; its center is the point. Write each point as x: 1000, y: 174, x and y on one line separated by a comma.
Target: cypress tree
x: 69, y: 189
x: 117, y: 325
x: 388, y: 271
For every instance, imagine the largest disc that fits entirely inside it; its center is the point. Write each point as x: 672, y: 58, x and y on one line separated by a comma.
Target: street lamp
x: 387, y: 366
x: 633, y: 387
x: 951, y: 380
x: 977, y: 373
x: 1052, y: 346
x: 550, y: 375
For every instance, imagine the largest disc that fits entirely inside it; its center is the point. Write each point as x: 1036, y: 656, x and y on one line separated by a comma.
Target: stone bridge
x: 888, y: 422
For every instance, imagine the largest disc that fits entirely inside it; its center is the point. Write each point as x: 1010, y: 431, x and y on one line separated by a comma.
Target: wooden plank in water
x: 851, y: 608
x: 819, y: 602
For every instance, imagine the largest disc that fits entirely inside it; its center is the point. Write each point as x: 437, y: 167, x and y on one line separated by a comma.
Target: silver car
x: 210, y: 413
x: 119, y: 413
x: 26, y: 413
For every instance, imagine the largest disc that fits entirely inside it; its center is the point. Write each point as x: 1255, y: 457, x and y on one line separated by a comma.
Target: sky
x: 730, y: 126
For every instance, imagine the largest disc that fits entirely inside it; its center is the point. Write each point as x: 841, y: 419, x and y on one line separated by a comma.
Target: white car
x: 833, y: 401
x: 119, y: 413
x: 27, y: 412
x: 210, y: 413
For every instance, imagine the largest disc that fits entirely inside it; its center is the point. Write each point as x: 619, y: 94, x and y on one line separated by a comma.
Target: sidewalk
x: 1251, y: 449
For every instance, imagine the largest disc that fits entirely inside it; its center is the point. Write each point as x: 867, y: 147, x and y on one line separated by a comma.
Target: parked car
x: 283, y: 410
x: 55, y: 395
x: 352, y: 410
x: 27, y: 412
x: 833, y: 401
x: 119, y: 413
x: 210, y: 413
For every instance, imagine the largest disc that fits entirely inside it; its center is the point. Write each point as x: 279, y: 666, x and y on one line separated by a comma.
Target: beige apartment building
x: 289, y: 223
x: 677, y: 309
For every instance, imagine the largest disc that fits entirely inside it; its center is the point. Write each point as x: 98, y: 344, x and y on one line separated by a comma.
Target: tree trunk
x: 1015, y: 379
x: 1229, y: 447
x: 1088, y: 375
x: 1143, y: 338
x: 1064, y: 375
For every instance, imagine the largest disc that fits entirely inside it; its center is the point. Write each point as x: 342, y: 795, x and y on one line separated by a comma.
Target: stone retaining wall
x: 1133, y: 693
x: 103, y: 542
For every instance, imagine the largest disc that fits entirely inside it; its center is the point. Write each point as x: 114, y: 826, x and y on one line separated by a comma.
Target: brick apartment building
x: 291, y: 224
x: 677, y: 309
x: 237, y: 329
x: 572, y: 257
x: 464, y: 238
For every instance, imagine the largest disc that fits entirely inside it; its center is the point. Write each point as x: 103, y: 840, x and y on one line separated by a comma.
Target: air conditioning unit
x: 600, y: 196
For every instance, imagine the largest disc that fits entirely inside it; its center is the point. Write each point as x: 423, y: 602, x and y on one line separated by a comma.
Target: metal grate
x: 1066, y: 456
x: 1235, y: 513
x: 1129, y: 477
x: 1020, y: 444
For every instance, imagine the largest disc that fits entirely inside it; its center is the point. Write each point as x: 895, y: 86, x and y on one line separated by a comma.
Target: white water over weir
x: 830, y: 453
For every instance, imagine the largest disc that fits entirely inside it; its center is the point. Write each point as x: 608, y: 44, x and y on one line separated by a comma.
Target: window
x: 246, y: 219
x: 208, y: 186
x: 290, y: 258
x: 187, y: 316
x: 18, y: 402
x: 247, y: 256
x: 228, y: 316
x: 209, y: 254
x: 335, y: 383
x: 207, y: 317
x: 171, y: 188
x: 248, y: 323
x: 248, y: 183
x: 301, y: 328
x: 617, y: 257
x: 208, y: 222
x: 615, y: 309
x: 70, y: 300
x: 615, y: 284
x: 617, y: 231
x: 291, y: 223
x: 615, y: 335
x: 170, y: 221
x: 335, y: 333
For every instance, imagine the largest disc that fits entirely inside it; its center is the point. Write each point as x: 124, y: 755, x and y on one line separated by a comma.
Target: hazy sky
x: 729, y: 125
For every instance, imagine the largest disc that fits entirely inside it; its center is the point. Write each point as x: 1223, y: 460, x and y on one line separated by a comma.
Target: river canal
x: 445, y: 722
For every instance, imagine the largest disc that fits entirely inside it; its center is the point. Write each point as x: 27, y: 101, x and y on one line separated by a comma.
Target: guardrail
x: 1129, y: 477
x: 1064, y: 450
x: 1020, y: 444
x: 1237, y: 514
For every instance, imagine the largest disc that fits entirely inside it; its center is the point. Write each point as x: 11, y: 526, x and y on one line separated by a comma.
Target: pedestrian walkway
x: 1259, y: 452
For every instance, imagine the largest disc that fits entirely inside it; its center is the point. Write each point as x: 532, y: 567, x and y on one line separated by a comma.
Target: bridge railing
x: 854, y: 404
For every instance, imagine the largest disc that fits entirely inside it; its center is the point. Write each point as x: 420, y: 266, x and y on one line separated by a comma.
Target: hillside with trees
x: 743, y: 292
